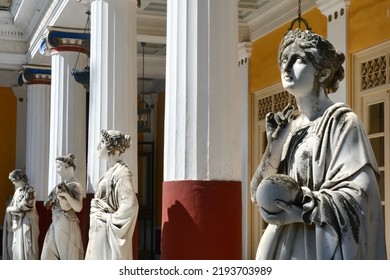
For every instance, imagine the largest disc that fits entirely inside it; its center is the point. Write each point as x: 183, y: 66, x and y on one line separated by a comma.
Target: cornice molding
x: 244, y: 50
x: 327, y: 7
x: 52, y: 13
x: 12, y: 61
x: 280, y: 14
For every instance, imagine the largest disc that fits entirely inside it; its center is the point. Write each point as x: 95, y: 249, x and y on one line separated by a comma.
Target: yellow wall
x: 264, y: 70
x: 368, y: 24
x: 7, y: 145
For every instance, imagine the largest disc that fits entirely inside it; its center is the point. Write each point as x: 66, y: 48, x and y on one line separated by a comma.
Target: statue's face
x: 297, y: 71
x: 61, y: 167
x: 16, y: 182
x: 102, y: 149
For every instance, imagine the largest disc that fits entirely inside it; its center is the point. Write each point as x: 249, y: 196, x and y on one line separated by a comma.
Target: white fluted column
x: 38, y: 79
x: 21, y: 96
x: 68, y: 101
x: 245, y: 51
x: 202, y: 164
x: 202, y: 103
x: 113, y: 88
x: 336, y: 12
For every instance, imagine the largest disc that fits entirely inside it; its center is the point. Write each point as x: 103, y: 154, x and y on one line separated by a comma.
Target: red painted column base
x: 201, y: 220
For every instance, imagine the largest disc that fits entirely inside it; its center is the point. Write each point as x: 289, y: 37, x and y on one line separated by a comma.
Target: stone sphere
x: 277, y: 187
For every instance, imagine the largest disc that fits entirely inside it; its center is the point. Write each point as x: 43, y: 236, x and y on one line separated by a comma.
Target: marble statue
x: 63, y: 239
x: 114, y: 208
x: 325, y: 151
x: 21, y: 222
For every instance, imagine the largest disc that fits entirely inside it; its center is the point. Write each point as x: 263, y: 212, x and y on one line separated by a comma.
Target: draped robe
x: 332, y: 160
x: 63, y: 239
x: 115, y: 196
x: 20, y: 236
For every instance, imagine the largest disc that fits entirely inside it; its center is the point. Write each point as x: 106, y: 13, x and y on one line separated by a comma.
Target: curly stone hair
x: 69, y: 160
x: 321, y: 53
x: 18, y: 175
x: 115, y: 141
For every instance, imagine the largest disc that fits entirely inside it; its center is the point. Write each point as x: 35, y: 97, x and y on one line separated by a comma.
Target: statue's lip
x: 287, y: 77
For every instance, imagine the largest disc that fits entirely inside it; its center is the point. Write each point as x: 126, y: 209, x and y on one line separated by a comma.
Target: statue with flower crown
x: 317, y: 183
x: 114, y: 208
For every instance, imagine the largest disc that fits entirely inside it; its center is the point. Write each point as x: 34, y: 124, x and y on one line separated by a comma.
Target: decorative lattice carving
x: 274, y: 103
x: 265, y: 106
x: 373, y: 73
x: 281, y: 100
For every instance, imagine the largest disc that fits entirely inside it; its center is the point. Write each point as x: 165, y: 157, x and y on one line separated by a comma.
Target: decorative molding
x: 328, y: 7
x: 52, y: 13
x: 12, y: 46
x: 12, y: 61
x: 279, y: 14
x: 244, y: 53
x: 5, y: 17
x: 10, y: 32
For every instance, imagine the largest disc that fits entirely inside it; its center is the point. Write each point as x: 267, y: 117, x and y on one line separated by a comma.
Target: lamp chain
x: 299, y: 8
x: 299, y: 19
x: 88, y: 13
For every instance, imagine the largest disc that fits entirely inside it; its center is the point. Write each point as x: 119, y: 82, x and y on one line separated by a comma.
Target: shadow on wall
x: 201, y: 220
x: 180, y: 238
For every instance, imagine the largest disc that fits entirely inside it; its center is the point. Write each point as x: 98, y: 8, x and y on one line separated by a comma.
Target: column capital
x: 327, y: 7
x: 65, y: 39
x: 35, y: 74
x: 244, y: 52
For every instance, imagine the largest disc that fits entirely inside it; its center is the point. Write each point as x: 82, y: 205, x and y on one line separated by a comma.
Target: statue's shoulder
x: 121, y: 169
x: 339, y: 112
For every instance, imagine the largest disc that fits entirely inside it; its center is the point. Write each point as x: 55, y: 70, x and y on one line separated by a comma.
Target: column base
x: 201, y: 220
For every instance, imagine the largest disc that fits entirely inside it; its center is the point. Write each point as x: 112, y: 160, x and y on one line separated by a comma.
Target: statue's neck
x: 313, y: 106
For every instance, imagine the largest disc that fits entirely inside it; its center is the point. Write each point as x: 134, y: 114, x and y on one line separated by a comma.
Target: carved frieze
x: 12, y: 46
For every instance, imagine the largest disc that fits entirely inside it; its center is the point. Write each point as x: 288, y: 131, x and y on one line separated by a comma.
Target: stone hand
x: 276, y: 122
x: 290, y: 214
x: 102, y: 216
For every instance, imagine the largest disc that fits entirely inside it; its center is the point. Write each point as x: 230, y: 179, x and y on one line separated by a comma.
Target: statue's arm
x: 268, y: 166
x: 75, y: 201
x: 278, y: 127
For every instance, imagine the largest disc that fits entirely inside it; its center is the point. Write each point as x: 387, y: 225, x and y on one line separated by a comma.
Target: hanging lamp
x: 144, y: 110
x: 82, y: 76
